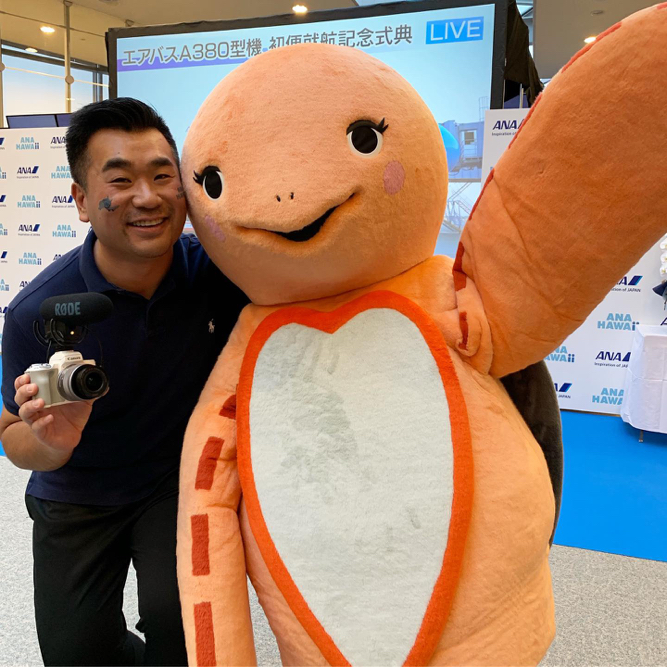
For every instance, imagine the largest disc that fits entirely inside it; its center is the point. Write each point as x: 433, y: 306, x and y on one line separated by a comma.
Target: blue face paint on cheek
x: 106, y: 203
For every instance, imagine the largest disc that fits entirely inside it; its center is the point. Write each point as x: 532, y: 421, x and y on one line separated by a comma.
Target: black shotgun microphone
x: 76, y: 309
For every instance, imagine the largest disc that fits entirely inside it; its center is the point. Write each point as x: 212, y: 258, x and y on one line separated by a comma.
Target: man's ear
x: 81, y: 202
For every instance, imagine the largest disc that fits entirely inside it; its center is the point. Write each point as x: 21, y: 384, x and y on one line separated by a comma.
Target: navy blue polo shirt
x: 157, y: 353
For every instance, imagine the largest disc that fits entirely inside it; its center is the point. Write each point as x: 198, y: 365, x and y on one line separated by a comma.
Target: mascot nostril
x: 355, y: 452
x: 279, y: 198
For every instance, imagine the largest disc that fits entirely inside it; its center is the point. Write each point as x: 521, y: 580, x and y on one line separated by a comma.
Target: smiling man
x: 104, y: 490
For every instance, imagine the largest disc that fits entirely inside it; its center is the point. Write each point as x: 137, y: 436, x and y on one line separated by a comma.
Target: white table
x: 645, y: 394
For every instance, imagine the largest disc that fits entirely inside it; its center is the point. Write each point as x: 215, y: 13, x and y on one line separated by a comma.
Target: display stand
x: 645, y: 394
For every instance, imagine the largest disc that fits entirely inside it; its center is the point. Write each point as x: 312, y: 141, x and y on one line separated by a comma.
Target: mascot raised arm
x: 355, y: 452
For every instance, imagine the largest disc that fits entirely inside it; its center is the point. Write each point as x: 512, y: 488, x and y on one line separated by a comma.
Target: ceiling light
x: 47, y: 29
x: 31, y: 50
x: 299, y: 9
x: 588, y: 40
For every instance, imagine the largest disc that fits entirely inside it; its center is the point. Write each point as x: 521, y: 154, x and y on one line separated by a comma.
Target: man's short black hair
x: 123, y: 113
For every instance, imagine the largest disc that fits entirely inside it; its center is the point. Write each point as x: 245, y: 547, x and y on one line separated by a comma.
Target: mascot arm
x: 211, y: 558
x: 578, y: 197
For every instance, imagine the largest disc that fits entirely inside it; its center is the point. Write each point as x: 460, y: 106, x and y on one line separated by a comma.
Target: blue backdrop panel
x: 615, y: 488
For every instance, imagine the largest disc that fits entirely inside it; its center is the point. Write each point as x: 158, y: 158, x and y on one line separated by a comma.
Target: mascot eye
x: 365, y: 137
x: 211, y: 180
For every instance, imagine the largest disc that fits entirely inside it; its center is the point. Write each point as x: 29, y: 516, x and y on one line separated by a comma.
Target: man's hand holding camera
x: 55, y: 399
x: 58, y: 427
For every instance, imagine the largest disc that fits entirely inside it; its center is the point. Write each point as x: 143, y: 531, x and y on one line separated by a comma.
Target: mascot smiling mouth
x: 306, y: 233
x: 309, y: 231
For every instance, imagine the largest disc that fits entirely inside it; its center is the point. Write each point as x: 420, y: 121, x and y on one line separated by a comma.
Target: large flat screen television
x: 451, y: 51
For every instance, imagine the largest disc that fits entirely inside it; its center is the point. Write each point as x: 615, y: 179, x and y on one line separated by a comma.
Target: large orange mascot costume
x: 354, y: 451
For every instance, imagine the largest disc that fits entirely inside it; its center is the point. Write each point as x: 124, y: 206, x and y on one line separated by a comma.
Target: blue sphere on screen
x: 451, y: 146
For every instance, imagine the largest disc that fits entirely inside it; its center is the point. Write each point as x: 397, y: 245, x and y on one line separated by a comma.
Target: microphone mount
x: 67, y: 318
x: 60, y: 334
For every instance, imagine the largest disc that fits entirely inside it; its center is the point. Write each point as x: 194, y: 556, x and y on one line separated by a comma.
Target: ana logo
x: 2, y: 141
x: 28, y: 201
x: 24, y: 283
x: 27, y: 144
x: 618, y: 321
x: 30, y: 259
x: 506, y: 125
x: 455, y: 30
x: 27, y: 172
x: 57, y: 142
x: 613, y: 359
x: 25, y: 230
x: 563, y: 389
x: 3, y: 256
x: 62, y: 171
x: 561, y: 354
x: 62, y: 201
x: 4, y: 287
x: 609, y: 396
x: 2, y: 200
x: 628, y: 284
x: 64, y: 231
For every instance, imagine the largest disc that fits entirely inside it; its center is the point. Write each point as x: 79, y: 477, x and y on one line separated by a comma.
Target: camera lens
x: 81, y: 382
x: 93, y: 382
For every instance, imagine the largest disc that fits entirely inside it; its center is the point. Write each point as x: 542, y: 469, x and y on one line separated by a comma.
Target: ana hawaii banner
x: 38, y: 218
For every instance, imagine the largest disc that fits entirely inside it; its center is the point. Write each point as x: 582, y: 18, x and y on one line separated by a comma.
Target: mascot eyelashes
x: 354, y: 451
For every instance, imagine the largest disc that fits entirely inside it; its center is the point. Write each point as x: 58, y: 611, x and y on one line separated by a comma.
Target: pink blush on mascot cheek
x: 215, y: 229
x: 368, y: 414
x: 394, y: 177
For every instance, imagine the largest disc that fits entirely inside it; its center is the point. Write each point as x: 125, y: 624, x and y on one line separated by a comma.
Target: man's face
x: 133, y: 196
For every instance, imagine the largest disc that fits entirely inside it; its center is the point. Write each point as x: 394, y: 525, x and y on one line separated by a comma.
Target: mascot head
x: 313, y: 170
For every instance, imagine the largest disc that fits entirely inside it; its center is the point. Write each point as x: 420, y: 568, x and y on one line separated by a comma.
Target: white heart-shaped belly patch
x: 347, y: 461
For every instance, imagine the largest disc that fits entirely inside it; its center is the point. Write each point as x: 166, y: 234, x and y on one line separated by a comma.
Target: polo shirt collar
x: 96, y: 282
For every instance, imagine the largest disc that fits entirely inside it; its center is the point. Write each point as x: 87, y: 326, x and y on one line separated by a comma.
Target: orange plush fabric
x: 275, y: 141
x: 354, y: 452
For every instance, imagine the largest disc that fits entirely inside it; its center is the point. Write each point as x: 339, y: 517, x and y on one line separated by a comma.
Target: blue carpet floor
x: 615, y: 488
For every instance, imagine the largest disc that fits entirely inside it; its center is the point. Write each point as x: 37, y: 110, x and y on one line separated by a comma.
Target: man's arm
x: 34, y: 437
x: 41, y: 438
x: 22, y: 447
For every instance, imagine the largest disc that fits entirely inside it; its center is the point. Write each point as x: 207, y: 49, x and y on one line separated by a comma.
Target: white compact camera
x: 68, y: 377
